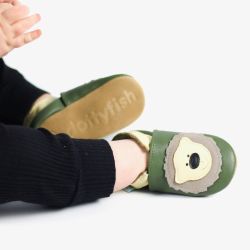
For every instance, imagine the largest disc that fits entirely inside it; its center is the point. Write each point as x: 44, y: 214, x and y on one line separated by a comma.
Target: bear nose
x: 194, y: 161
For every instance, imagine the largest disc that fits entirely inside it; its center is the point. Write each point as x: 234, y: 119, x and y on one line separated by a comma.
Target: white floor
x: 192, y: 59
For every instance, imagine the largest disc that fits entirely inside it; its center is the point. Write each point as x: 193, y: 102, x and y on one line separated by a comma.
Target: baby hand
x: 14, y: 23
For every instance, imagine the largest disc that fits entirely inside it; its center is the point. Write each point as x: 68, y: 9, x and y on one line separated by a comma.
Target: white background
x: 192, y: 59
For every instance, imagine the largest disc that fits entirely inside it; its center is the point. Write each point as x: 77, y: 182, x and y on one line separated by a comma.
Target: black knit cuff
x: 97, y: 170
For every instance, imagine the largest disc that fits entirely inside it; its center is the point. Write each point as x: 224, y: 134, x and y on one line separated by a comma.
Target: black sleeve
x: 16, y: 95
x: 53, y: 170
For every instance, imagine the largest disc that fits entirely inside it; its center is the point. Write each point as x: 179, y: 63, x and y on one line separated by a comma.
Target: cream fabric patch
x: 142, y: 139
x: 193, y: 163
x: 141, y: 181
x: 40, y: 104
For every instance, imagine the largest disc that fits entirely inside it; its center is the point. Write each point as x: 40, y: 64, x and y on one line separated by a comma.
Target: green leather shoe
x: 93, y: 110
x: 184, y: 163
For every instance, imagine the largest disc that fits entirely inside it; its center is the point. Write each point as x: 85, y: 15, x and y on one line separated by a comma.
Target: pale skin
x: 130, y: 162
x: 15, y: 23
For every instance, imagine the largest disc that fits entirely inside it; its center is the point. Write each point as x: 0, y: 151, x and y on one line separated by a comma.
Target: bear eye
x: 186, y: 164
x: 188, y: 156
x: 194, y: 161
